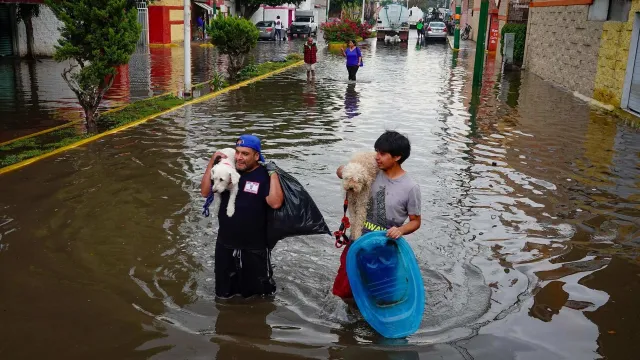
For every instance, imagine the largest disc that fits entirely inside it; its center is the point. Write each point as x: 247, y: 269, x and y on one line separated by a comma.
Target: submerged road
x: 528, y: 247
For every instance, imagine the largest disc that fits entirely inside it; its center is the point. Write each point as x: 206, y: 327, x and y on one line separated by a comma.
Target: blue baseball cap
x: 251, y: 142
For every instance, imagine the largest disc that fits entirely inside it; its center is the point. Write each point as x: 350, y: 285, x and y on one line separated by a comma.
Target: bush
x: 218, y: 82
x: 234, y: 37
x: 520, y: 31
x: 345, y: 30
x: 248, y: 72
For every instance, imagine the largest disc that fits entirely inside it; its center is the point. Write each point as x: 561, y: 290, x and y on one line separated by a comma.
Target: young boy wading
x: 242, y: 259
x: 394, y: 198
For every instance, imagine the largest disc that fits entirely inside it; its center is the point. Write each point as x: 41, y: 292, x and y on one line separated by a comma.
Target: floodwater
x: 528, y: 246
x: 34, y: 97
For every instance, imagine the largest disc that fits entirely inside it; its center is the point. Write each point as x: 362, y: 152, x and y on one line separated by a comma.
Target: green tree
x: 234, y: 37
x: 97, y: 36
x: 26, y: 13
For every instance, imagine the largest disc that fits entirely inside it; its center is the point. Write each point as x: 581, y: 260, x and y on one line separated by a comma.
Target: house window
x: 610, y: 10
x: 619, y: 10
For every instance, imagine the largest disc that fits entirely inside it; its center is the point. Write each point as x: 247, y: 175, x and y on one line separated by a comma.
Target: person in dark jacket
x: 242, y: 257
x: 310, y: 51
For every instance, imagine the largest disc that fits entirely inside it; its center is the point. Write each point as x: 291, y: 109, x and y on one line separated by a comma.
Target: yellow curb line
x: 79, y: 121
x: 138, y: 122
x: 70, y: 123
x: 41, y: 132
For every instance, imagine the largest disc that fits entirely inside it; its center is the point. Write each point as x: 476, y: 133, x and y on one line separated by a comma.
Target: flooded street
x: 529, y: 246
x: 34, y: 97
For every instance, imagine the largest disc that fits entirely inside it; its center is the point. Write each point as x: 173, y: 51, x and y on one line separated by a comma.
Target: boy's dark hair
x: 394, y: 143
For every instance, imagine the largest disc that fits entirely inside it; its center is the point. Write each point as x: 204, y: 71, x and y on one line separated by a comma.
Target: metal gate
x: 6, y: 40
x: 143, y: 19
x: 634, y: 91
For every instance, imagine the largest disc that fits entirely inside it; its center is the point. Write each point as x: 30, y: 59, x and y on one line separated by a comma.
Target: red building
x: 166, y: 18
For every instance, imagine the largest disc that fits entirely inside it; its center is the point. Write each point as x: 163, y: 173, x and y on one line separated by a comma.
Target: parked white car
x: 436, y: 30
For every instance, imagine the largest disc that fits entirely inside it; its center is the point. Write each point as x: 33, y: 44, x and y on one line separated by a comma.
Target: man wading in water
x: 394, y: 198
x: 242, y: 259
x: 310, y: 50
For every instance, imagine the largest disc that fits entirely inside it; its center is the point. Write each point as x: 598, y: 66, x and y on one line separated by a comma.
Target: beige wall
x: 177, y: 30
x: 169, y: 2
x: 563, y: 46
x: 475, y: 19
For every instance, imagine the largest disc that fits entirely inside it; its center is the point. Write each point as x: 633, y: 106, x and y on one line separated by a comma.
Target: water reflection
x: 242, y: 330
x: 351, y: 101
x: 34, y: 97
x: 310, y: 94
x: 548, y: 301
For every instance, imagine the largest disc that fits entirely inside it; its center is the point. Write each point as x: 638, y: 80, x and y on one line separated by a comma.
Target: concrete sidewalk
x: 464, y: 44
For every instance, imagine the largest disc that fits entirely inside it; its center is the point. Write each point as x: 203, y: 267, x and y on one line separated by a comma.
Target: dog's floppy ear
x: 217, y: 160
x: 234, y: 178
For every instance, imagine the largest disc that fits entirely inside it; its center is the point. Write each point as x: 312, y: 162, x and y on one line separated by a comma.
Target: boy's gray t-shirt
x: 391, y: 202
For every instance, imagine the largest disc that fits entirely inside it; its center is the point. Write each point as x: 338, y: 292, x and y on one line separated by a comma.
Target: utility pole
x: 187, y: 48
x: 456, y: 32
x: 482, y: 32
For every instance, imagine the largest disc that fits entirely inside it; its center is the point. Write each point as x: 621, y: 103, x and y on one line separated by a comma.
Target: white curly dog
x: 225, y: 177
x: 357, y: 177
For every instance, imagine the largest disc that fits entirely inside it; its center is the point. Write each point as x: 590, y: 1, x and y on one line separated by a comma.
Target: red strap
x: 341, y: 236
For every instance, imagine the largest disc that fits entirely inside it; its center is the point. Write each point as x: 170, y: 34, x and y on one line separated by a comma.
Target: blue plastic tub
x: 386, y: 284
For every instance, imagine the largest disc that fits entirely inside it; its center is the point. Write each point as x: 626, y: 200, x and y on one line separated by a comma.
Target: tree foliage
x: 520, y: 31
x: 234, y: 37
x: 98, y: 36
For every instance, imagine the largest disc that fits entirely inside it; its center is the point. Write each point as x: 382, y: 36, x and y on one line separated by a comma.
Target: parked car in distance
x: 267, y: 30
x: 436, y: 30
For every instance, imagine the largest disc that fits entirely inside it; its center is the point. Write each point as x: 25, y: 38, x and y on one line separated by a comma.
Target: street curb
x: 450, y: 42
x: 121, y: 107
x: 212, y: 95
x: 593, y: 102
x: 70, y: 123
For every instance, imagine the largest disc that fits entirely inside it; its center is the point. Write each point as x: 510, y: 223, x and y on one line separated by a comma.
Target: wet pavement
x: 528, y: 248
x: 34, y: 97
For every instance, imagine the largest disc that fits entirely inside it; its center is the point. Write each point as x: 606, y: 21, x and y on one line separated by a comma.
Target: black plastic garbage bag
x: 298, y: 215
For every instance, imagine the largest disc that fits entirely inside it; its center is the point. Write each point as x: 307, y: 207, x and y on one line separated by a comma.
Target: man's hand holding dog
x: 213, y: 158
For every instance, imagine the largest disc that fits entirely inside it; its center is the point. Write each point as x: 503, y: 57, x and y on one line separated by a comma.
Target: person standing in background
x: 354, y: 59
x: 310, y: 50
x: 278, y: 28
x: 200, y: 23
x: 420, y: 28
